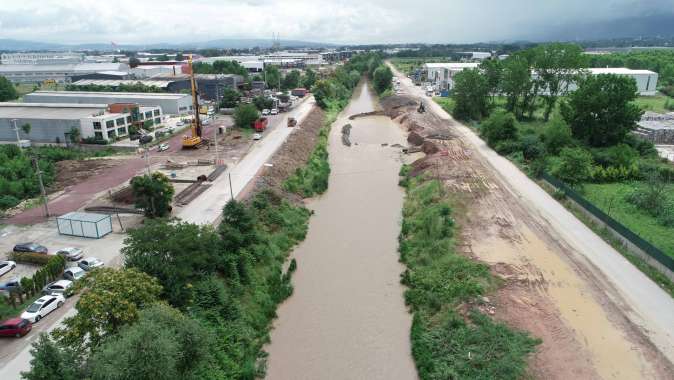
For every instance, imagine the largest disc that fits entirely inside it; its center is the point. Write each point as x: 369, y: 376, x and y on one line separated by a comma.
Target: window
x: 98, y: 135
x: 157, y: 121
x: 121, y: 131
x: 148, y: 115
x: 111, y: 134
x: 156, y: 112
x: 120, y: 121
x: 128, y: 119
x: 97, y: 125
x: 110, y: 124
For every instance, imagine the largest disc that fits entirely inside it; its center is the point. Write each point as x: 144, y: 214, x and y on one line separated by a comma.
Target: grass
x: 26, y: 88
x: 610, y: 198
x: 447, y: 104
x: 406, y: 65
x: 655, y: 103
x: 7, y: 311
x: 447, y: 343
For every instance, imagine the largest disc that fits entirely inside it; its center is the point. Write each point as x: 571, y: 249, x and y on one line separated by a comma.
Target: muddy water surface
x: 346, y: 318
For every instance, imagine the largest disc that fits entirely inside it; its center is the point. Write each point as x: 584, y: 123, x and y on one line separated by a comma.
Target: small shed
x: 84, y: 224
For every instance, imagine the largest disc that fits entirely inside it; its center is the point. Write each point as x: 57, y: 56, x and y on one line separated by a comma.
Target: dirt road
x: 346, y: 318
x: 598, y: 316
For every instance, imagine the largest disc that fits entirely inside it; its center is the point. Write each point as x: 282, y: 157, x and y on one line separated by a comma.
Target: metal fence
x: 625, y: 232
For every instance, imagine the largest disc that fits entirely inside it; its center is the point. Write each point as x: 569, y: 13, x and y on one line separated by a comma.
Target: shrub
x: 557, y: 135
x: 574, y: 165
x: 8, y: 201
x: 30, y: 258
x: 498, y: 127
x: 620, y: 155
x: 508, y: 147
x: 532, y: 147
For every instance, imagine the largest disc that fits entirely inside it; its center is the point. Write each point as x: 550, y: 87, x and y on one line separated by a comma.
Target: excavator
x: 194, y: 140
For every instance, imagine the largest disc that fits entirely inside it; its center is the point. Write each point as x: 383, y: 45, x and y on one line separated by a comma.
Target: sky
x: 332, y: 21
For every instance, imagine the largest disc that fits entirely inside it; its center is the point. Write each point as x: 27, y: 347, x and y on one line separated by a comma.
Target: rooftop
x: 117, y: 82
x: 451, y: 65
x: 93, y: 94
x: 84, y: 216
x: 618, y: 70
x: 64, y: 111
x: 74, y: 67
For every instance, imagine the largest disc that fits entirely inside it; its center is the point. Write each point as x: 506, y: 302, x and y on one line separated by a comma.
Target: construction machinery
x: 193, y: 140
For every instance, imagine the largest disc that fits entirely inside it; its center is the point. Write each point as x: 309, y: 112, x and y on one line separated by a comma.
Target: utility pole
x: 16, y: 130
x: 147, y: 159
x: 215, y: 141
x: 231, y: 191
x: 44, y: 193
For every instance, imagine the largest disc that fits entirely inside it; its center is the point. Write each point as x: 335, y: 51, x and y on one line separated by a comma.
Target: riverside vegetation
x: 451, y: 337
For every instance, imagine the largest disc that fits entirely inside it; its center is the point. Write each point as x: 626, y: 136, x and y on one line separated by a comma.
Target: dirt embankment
x: 545, y: 289
x: 293, y: 154
x: 72, y: 172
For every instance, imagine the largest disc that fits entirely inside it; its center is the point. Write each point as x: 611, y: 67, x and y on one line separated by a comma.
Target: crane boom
x: 194, y: 140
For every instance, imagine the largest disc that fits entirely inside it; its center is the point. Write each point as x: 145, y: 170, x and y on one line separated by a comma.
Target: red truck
x: 299, y: 92
x: 260, y: 124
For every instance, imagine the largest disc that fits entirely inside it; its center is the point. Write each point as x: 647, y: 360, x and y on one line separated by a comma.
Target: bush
x: 574, y: 165
x: 620, y: 155
x: 245, y: 115
x: 8, y: 201
x: 532, y: 147
x: 30, y: 258
x: 508, y: 147
x: 498, y: 127
x: 557, y: 135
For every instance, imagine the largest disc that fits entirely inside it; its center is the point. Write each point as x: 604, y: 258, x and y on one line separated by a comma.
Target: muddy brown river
x: 346, y: 318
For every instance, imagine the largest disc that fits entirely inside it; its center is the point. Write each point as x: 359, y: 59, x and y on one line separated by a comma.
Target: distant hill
x: 224, y: 43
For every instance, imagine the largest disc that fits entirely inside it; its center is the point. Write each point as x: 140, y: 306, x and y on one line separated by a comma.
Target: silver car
x: 57, y: 287
x: 70, y: 253
x: 74, y: 273
x: 90, y: 263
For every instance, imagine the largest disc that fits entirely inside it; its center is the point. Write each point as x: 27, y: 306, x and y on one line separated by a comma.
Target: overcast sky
x: 345, y: 21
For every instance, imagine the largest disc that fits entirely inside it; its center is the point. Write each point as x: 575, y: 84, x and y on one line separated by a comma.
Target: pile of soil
x: 72, y: 172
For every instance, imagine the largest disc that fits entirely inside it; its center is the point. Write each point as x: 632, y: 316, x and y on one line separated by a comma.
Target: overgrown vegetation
x: 153, y: 194
x: 447, y: 343
x: 18, y: 180
x: 660, y: 61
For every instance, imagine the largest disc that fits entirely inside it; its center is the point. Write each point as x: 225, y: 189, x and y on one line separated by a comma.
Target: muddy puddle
x: 346, y: 318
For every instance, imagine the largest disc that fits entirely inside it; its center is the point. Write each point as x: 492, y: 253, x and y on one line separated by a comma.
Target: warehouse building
x: 441, y: 74
x: 40, y: 58
x: 61, y: 73
x: 646, y: 80
x: 170, y: 103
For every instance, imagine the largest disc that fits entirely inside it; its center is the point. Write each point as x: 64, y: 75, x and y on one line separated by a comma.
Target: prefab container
x: 84, y: 224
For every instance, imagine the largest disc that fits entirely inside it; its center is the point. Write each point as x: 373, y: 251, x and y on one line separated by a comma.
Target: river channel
x: 346, y: 318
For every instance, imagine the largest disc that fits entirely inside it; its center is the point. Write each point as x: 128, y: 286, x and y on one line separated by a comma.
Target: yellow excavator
x: 193, y: 140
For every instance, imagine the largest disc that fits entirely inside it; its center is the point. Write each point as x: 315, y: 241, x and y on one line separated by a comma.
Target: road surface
x: 644, y: 302
x: 15, y: 353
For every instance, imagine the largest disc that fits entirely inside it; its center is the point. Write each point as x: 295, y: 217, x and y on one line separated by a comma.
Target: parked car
x: 74, y: 273
x: 10, y: 285
x: 70, y: 253
x: 6, y: 266
x: 274, y: 111
x: 265, y: 112
x: 30, y: 247
x: 43, y: 306
x: 58, y: 287
x: 90, y: 263
x: 180, y: 123
x: 257, y: 136
x: 163, y: 147
x: 17, y: 327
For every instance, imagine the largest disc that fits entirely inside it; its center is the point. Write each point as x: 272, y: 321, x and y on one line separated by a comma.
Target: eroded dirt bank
x: 346, y: 318
x: 547, y: 290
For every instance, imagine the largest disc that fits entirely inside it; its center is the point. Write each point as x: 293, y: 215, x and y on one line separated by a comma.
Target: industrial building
x: 646, y: 80
x: 61, y: 73
x: 42, y: 58
x: 170, y: 103
x: 441, y: 74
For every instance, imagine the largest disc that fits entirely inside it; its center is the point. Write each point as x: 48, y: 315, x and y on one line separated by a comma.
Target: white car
x: 6, y: 266
x: 90, y: 263
x: 274, y: 111
x: 70, y: 253
x: 265, y: 112
x: 43, y: 306
x: 163, y: 147
x: 74, y: 273
x: 57, y: 287
x: 257, y: 136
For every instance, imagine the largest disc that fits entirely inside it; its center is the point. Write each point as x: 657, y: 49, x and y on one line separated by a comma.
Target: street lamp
x: 16, y: 130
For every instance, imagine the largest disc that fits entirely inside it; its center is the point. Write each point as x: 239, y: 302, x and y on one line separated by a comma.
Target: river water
x: 346, y: 318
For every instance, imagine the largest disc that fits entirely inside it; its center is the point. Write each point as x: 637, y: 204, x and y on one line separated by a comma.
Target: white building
x: 646, y: 80
x: 44, y: 58
x: 440, y: 74
x: 174, y: 104
x: 61, y: 73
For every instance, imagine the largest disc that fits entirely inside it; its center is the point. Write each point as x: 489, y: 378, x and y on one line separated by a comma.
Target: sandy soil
x: 546, y: 289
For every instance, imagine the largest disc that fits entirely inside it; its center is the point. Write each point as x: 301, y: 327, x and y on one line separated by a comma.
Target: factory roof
x: 127, y: 95
x: 64, y: 111
x: 618, y: 70
x: 117, y: 82
x: 73, y: 67
x: 451, y: 65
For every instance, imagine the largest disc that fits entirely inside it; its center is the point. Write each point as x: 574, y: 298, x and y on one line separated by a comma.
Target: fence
x: 627, y: 234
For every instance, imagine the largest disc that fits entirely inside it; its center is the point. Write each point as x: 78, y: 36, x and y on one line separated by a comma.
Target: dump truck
x: 260, y: 124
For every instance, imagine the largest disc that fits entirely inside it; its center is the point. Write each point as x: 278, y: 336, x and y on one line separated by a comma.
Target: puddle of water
x: 346, y: 318
x: 612, y: 354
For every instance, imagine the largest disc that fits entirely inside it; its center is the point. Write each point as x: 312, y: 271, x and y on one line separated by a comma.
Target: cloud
x: 339, y: 21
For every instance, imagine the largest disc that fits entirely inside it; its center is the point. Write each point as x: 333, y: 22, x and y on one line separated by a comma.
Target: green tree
x: 74, y: 135
x: 230, y: 98
x: 26, y: 128
x: 237, y: 235
x: 180, y: 57
x: 382, y: 78
x: 134, y: 62
x: 492, y: 70
x: 177, y: 254
x: 556, y: 136
x: 163, y: 58
x: 574, y: 165
x: 153, y: 194
x: 245, y: 115
x: 51, y: 361
x: 600, y: 112
x: 515, y: 83
x: 323, y: 92
x: 162, y: 344
x: 291, y: 80
x: 470, y: 95
x: 498, y: 127
x: 7, y: 90
x: 309, y: 78
x: 272, y: 76
x: 262, y: 102
x: 111, y: 299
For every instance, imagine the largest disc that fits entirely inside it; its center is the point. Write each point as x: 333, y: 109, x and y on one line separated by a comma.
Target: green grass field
x: 657, y: 103
x: 25, y: 88
x: 405, y: 65
x: 610, y: 198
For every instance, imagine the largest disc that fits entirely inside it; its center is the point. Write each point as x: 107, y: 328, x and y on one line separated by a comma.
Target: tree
x: 500, y: 126
x: 323, y: 92
x: 163, y: 58
x: 134, y: 62
x: 245, y: 115
x: 153, y: 194
x: 230, y: 98
x: 51, y: 361
x: 574, y: 165
x: 111, y: 299
x: 180, y: 57
x: 557, y: 65
x: 470, y: 95
x: 74, y: 135
x: 262, y: 102
x: 272, y: 77
x: 556, y: 136
x: 600, y: 112
x: 26, y: 128
x: 492, y: 70
x: 382, y: 78
x: 163, y: 344
x: 291, y: 80
x: 515, y: 83
x: 237, y: 235
x: 7, y: 90
x: 309, y: 78
x: 177, y: 254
